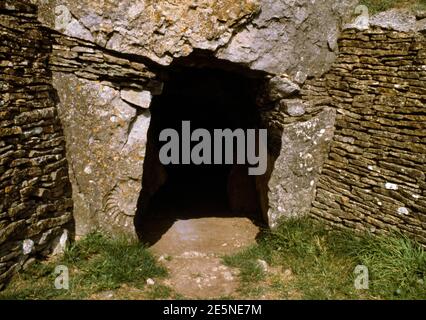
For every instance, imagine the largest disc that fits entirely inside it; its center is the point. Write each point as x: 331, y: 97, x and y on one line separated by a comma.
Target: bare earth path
x: 191, y: 249
x: 189, y: 227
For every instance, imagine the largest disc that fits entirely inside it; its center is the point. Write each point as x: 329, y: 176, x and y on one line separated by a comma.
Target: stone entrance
x: 107, y: 92
x: 210, y: 98
x: 112, y: 133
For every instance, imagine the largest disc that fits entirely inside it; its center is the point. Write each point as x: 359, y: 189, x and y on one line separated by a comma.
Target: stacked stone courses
x: 374, y: 178
x: 35, y: 195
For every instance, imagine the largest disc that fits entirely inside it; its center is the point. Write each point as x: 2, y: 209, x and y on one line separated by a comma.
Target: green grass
x: 397, y: 265
x: 306, y: 261
x: 376, y: 6
x: 96, y: 263
x: 322, y: 264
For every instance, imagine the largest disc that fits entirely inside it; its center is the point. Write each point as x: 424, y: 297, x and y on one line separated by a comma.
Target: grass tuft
x: 320, y: 264
x: 397, y: 264
x: 306, y: 260
x: 376, y: 6
x: 96, y: 263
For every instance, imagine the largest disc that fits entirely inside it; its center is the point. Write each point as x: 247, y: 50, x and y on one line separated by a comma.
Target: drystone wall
x: 374, y: 177
x: 35, y: 193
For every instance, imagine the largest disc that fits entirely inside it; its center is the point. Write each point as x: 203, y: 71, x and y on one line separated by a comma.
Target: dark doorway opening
x: 210, y: 98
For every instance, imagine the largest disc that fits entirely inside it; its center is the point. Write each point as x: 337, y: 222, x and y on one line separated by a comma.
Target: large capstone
x: 277, y: 36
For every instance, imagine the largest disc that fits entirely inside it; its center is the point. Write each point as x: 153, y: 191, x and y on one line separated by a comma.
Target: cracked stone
x: 281, y: 87
x: 139, y: 98
x: 293, y: 107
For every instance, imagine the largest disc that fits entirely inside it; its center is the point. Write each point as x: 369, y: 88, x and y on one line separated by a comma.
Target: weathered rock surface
x: 106, y: 139
x: 289, y: 191
x: 139, y: 98
x: 160, y: 30
x: 400, y: 20
x: 280, y: 87
x: 290, y: 36
x: 293, y: 107
x: 362, y: 21
x: 277, y: 36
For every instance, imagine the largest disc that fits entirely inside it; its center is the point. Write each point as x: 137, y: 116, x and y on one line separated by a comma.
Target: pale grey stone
x: 293, y: 175
x: 60, y: 244
x: 281, y: 87
x: 403, y: 211
x: 293, y: 107
x: 400, y: 20
x: 274, y: 40
x: 263, y: 265
x: 76, y: 29
x: 138, y: 134
x: 91, y: 20
x: 27, y: 246
x: 106, y: 134
x: 300, y: 77
x: 277, y: 36
x: 66, y: 23
x: 139, y: 98
x: 391, y: 186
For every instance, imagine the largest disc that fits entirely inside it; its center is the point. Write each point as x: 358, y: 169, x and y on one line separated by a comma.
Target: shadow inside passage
x: 210, y: 99
x: 200, y: 194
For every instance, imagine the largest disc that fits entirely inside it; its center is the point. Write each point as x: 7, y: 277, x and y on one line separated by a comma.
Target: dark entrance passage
x: 209, y: 99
